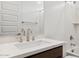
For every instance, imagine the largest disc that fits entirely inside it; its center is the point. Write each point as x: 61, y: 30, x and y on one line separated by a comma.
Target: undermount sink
x: 31, y: 44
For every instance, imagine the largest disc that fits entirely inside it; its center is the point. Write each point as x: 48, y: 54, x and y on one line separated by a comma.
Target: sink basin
x: 31, y: 44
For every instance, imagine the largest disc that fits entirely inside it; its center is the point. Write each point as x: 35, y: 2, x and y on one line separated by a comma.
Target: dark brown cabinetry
x: 52, y: 53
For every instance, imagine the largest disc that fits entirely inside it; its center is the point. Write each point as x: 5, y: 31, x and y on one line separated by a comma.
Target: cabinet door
x: 52, y: 53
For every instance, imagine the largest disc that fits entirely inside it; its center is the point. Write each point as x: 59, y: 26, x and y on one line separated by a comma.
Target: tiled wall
x: 58, y: 21
x: 32, y: 13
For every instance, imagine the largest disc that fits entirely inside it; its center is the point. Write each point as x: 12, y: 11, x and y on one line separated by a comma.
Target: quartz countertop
x: 9, y: 50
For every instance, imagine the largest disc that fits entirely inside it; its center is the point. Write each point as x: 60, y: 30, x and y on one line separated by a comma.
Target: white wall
x: 58, y: 21
x: 58, y: 17
x: 32, y: 12
x: 54, y: 19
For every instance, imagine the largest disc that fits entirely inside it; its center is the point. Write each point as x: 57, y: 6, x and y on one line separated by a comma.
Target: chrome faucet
x: 19, y: 37
x: 23, y: 32
x: 29, y: 34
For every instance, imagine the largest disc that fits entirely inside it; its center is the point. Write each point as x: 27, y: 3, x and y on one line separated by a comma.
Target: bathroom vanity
x: 40, y: 48
x: 51, y: 53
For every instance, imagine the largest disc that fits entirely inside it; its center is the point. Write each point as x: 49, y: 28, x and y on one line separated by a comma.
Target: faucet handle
x: 22, y: 22
x: 19, y: 37
x: 71, y: 37
x: 23, y: 31
x: 18, y: 34
x: 31, y: 31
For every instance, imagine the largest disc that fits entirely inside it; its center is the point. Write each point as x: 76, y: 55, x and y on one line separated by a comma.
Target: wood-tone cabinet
x: 52, y: 53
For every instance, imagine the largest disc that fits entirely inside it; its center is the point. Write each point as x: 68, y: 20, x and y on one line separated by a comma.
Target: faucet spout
x: 28, y: 34
x: 23, y: 32
x: 19, y: 37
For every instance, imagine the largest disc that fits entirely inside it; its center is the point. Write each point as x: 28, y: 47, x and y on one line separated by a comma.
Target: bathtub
x: 74, y: 51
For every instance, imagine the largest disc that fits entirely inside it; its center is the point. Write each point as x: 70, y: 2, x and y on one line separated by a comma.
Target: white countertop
x: 10, y: 50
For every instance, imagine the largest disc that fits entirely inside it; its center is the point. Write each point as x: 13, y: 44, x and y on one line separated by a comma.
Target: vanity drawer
x: 52, y: 53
